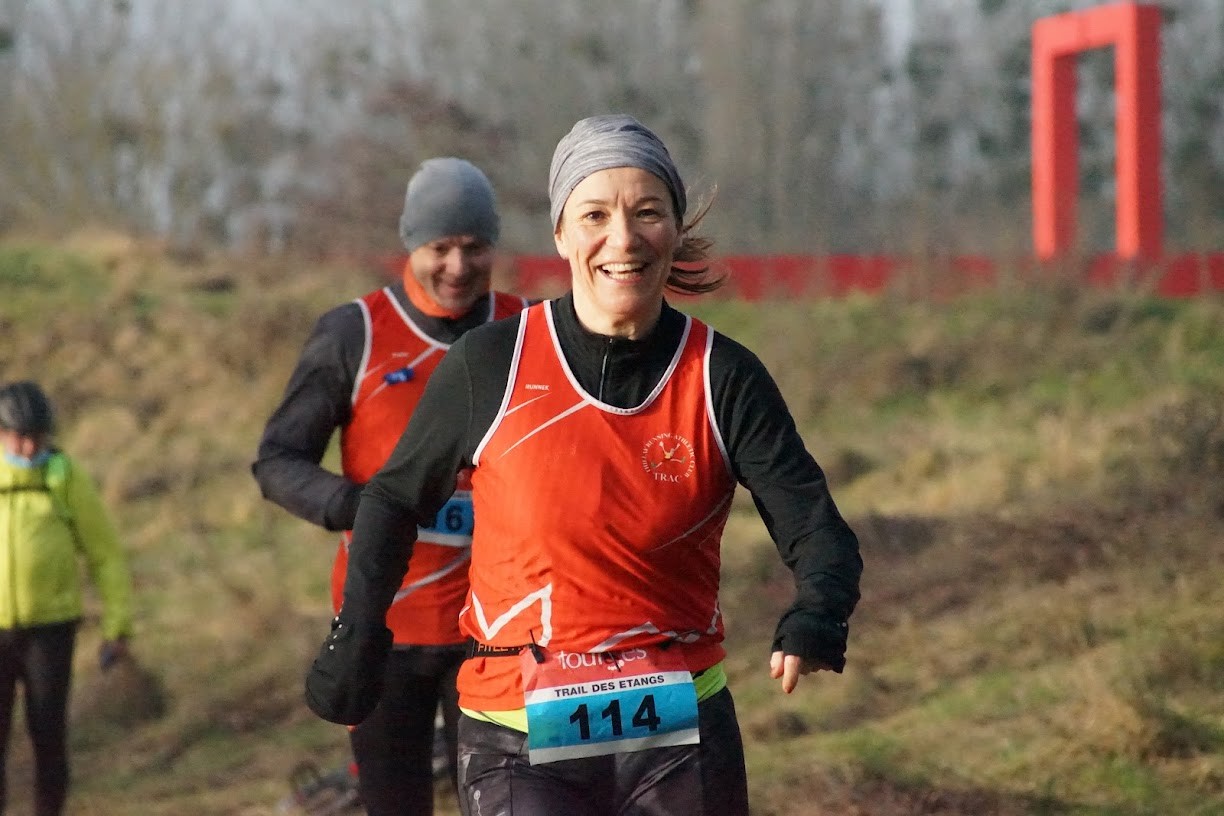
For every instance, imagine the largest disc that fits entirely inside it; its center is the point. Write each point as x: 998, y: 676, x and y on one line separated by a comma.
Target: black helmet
x: 24, y: 408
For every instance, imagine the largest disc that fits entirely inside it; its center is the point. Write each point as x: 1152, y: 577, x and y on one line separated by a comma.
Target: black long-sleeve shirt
x: 318, y: 400
x: 767, y: 456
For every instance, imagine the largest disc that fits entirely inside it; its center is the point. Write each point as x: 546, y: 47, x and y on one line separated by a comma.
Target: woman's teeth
x: 621, y: 270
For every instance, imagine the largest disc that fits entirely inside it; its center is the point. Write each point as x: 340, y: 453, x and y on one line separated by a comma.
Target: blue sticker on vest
x: 400, y: 375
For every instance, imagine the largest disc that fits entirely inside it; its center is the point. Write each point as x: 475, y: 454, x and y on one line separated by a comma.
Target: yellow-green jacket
x: 51, y: 516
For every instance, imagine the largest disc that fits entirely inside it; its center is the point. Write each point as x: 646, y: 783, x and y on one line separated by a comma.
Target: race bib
x: 584, y: 705
x: 454, y: 523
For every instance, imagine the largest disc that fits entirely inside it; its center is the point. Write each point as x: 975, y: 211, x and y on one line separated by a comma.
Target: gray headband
x: 448, y: 197
x: 602, y: 142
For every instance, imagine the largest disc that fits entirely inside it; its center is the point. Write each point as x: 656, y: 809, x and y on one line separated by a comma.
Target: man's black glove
x: 812, y: 636
x: 346, y: 679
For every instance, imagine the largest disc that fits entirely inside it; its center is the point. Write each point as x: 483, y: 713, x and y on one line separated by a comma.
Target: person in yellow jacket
x: 51, y: 517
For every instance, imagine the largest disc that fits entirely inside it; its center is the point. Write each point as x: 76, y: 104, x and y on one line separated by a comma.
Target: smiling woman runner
x: 607, y: 432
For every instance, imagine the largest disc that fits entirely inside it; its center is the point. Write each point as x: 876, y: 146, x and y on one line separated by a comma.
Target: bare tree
x: 782, y: 81
x: 848, y: 125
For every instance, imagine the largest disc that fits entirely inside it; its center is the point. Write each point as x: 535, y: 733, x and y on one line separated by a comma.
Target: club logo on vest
x: 668, y: 457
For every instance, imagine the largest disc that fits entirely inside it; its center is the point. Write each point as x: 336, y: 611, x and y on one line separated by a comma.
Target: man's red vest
x: 399, y: 359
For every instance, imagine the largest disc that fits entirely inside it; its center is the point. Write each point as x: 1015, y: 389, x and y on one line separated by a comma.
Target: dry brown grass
x: 1034, y: 480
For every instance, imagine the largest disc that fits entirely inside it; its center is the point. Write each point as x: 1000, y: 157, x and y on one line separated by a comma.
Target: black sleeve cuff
x: 812, y: 636
x: 342, y: 509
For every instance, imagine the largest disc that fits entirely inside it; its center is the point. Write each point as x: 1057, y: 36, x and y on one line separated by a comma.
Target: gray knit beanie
x: 445, y: 197
x: 603, y: 142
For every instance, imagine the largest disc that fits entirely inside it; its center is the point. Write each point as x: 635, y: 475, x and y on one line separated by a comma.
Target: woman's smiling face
x: 619, y: 232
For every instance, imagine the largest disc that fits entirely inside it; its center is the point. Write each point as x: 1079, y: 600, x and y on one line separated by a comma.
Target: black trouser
x: 393, y: 747
x: 40, y: 657
x: 497, y: 779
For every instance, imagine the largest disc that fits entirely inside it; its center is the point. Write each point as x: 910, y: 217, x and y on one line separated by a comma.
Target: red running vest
x: 599, y: 526
x: 399, y: 359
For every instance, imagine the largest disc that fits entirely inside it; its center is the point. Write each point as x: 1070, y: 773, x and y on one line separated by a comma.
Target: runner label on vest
x: 454, y: 523
x: 585, y: 705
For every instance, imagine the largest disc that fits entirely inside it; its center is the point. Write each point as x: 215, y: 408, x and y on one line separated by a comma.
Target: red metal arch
x: 1134, y: 32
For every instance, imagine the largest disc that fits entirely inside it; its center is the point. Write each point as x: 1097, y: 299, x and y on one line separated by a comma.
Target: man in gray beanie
x: 363, y: 371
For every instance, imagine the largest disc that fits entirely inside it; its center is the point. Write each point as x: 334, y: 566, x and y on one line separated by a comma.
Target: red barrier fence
x: 1133, y: 31
x: 763, y: 277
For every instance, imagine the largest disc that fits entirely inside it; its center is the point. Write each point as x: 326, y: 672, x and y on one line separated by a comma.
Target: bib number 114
x: 583, y: 708
x: 644, y: 717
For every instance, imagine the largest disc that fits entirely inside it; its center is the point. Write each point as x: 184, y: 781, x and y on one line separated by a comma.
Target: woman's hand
x: 789, y: 667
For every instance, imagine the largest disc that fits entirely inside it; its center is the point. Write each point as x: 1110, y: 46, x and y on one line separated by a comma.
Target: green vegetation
x: 1034, y: 476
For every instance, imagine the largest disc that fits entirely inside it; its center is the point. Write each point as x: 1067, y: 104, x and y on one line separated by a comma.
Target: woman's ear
x: 559, y: 240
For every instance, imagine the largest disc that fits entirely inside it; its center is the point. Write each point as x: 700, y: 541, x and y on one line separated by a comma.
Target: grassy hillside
x: 1035, y: 476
